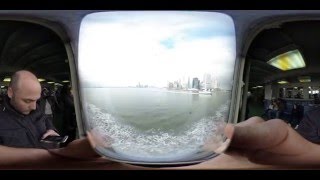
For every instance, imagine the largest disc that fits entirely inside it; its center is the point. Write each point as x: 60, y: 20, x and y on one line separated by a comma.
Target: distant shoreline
x: 162, y: 88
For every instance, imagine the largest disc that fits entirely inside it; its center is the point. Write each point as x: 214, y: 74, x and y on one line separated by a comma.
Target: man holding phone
x: 22, y: 124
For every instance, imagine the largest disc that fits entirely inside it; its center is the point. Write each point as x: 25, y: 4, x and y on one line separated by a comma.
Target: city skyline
x: 207, y: 83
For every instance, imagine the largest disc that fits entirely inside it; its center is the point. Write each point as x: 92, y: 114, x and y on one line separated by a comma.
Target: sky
x: 124, y: 48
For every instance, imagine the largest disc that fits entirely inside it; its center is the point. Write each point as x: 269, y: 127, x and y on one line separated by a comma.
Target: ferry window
x: 299, y: 93
x: 281, y: 92
x: 289, y: 93
x: 313, y: 91
x: 156, y: 86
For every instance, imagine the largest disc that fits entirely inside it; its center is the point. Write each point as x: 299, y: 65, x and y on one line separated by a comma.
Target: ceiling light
x: 287, y: 61
x: 6, y: 79
x: 304, y: 79
x: 282, y: 82
x: 50, y: 82
x: 65, y: 81
x: 41, y: 80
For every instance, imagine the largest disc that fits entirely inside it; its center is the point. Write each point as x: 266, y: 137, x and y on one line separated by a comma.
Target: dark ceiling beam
x: 49, y: 53
x: 264, y: 65
x: 261, y: 70
x: 294, y: 73
x: 52, y: 69
x: 59, y: 73
x: 258, y: 52
x: 38, y: 48
x: 256, y: 83
x: 58, y: 77
x: 11, y: 39
x: 8, y: 69
x: 6, y: 30
x: 5, y: 46
x: 55, y: 58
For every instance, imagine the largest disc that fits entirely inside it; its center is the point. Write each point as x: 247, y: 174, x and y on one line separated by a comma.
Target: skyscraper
x: 195, y: 83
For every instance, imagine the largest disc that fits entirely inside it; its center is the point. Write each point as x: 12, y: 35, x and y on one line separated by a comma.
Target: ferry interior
x: 282, y: 65
x: 27, y: 45
x: 281, y: 62
x: 33, y: 47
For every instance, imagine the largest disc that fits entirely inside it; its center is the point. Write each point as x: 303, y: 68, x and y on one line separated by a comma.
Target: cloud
x: 155, y: 47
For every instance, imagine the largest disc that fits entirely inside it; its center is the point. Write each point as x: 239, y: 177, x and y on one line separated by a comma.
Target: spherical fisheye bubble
x: 156, y: 86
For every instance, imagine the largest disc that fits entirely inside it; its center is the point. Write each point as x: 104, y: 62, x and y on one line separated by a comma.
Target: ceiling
x: 32, y: 47
x: 304, y: 35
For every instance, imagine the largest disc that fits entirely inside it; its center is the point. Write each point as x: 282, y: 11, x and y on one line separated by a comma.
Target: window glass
x: 156, y: 86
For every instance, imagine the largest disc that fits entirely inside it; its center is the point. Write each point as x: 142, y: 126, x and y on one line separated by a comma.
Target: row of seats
x: 293, y: 110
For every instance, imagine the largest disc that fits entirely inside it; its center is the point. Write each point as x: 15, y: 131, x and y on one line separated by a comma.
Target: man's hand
x: 259, y: 144
x: 79, y: 154
x: 49, y: 132
x: 272, y: 142
x: 77, y: 149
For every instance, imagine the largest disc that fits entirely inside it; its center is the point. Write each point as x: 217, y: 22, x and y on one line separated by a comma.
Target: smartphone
x: 55, y: 139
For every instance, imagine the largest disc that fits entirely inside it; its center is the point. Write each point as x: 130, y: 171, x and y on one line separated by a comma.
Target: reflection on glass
x: 156, y: 86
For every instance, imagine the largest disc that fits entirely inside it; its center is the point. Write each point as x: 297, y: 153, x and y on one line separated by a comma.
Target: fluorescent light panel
x: 304, y: 79
x: 6, y: 79
x: 282, y: 82
x: 287, y: 61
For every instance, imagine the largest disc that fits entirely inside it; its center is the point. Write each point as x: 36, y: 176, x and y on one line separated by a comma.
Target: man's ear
x: 10, y: 92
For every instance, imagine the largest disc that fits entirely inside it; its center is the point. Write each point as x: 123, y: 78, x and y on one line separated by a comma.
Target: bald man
x: 22, y: 124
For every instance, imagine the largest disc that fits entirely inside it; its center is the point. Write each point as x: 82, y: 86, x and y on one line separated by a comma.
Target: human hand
x: 84, y: 148
x: 79, y: 154
x: 271, y: 142
x: 49, y: 132
x: 259, y: 144
x: 77, y: 149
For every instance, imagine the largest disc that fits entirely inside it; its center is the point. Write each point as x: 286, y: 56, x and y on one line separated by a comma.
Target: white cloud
x: 125, y: 51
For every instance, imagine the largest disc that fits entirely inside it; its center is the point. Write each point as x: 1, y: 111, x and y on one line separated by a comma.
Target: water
x: 157, y: 124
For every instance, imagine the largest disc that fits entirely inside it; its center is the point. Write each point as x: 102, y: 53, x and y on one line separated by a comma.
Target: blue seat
x: 310, y: 107
x: 287, y: 113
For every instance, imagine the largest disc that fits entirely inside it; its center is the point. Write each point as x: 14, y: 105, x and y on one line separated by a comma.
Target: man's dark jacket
x: 309, y: 126
x: 18, y: 130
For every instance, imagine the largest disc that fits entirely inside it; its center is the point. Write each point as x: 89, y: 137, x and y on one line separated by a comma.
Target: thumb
x: 45, y: 135
x: 259, y: 136
x: 229, y: 130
